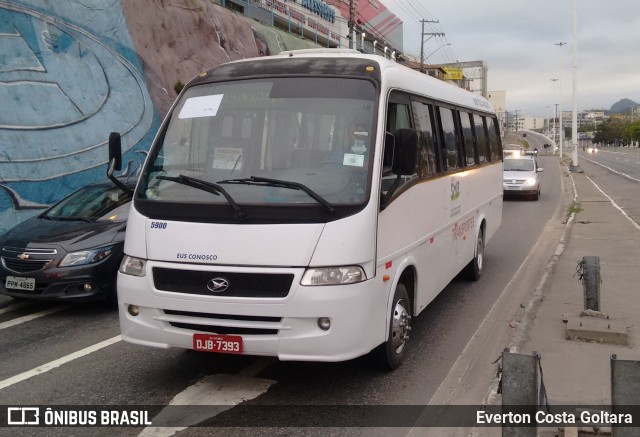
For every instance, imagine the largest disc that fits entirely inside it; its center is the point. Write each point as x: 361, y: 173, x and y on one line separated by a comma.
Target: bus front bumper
x: 286, y: 328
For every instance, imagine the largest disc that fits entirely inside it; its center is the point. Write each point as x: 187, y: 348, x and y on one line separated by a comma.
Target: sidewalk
x: 574, y: 371
x: 579, y: 372
x: 526, y: 320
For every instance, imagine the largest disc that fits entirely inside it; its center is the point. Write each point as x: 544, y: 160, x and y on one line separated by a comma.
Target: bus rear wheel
x: 473, y: 270
x: 390, y: 354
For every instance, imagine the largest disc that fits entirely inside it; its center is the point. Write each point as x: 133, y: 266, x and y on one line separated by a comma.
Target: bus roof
x: 392, y: 75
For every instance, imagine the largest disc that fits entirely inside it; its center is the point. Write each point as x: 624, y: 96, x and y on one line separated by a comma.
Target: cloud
x: 517, y: 41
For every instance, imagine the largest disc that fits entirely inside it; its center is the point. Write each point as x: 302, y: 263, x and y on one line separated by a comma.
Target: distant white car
x: 592, y: 149
x: 521, y: 176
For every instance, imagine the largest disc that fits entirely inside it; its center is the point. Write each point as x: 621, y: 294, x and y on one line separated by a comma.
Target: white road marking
x: 612, y: 170
x: 216, y: 393
x: 29, y: 317
x: 615, y: 205
x: 59, y: 362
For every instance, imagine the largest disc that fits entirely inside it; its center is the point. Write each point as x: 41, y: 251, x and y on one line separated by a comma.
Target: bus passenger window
x: 467, y: 138
x: 449, y: 138
x: 481, y: 140
x: 494, y: 139
x: 423, y: 116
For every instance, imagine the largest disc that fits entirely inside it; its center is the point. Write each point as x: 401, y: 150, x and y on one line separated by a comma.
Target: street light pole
x: 555, y: 121
x: 560, y: 134
x: 574, y: 130
x: 555, y: 124
x: 351, y: 22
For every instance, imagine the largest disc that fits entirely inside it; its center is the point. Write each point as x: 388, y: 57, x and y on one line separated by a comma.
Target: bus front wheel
x: 389, y: 355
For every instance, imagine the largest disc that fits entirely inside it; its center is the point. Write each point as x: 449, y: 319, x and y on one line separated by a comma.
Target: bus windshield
x: 312, y: 135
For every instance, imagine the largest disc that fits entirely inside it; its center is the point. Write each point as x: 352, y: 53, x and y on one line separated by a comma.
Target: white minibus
x: 305, y: 206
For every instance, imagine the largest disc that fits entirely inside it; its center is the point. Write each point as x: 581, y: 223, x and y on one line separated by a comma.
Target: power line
x: 422, y: 11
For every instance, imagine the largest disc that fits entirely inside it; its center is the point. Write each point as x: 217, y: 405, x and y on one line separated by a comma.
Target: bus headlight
x: 333, y: 276
x: 132, y: 266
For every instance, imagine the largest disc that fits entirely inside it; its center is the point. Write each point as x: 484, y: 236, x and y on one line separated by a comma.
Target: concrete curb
x: 520, y: 336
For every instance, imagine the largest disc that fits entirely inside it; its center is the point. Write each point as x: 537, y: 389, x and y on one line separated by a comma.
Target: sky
x: 517, y: 40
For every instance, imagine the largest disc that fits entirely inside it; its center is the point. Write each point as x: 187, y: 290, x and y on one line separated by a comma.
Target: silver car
x: 521, y: 176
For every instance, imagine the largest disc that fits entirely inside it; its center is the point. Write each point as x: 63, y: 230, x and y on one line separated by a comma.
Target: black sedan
x: 71, y: 251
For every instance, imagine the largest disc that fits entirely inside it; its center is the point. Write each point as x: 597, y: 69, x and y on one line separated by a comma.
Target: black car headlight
x: 83, y: 257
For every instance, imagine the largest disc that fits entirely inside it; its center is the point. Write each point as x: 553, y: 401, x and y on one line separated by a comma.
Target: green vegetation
x: 612, y: 130
x: 574, y: 208
x: 178, y: 86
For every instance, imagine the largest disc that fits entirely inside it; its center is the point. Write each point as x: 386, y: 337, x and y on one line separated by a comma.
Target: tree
x: 631, y: 131
x: 609, y: 132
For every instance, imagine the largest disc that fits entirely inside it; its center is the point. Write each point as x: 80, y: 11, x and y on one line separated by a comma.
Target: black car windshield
x: 311, y: 132
x: 92, y: 203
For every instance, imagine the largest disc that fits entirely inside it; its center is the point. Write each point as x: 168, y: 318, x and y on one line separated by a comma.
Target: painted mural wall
x: 68, y: 76
x: 72, y: 71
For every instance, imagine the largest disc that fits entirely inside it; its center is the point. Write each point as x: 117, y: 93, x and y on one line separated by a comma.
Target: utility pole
x: 422, y: 41
x: 351, y: 22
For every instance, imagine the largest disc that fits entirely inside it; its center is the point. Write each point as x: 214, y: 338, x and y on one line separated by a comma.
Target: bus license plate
x: 226, y: 344
x: 20, y: 283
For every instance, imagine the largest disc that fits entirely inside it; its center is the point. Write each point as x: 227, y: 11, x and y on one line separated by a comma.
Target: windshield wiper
x: 209, y: 187
x: 255, y: 180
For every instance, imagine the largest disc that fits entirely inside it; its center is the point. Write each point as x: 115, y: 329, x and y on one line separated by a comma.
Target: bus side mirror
x: 115, y: 153
x: 115, y: 161
x: 389, y: 151
x: 406, y: 152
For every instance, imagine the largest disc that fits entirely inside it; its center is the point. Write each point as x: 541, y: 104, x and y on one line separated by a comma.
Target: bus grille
x: 216, y: 323
x: 259, y: 285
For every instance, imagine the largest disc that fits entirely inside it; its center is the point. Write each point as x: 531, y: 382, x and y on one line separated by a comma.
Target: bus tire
x: 390, y: 354
x: 473, y: 270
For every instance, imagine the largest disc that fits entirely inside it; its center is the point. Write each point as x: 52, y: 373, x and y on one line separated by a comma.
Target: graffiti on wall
x: 68, y: 76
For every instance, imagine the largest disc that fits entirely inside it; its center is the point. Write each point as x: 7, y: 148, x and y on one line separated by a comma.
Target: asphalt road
x: 617, y: 173
x: 94, y: 367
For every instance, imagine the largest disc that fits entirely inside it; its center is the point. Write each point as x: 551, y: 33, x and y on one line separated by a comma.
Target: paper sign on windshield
x: 203, y: 106
x: 353, y: 160
x: 227, y: 158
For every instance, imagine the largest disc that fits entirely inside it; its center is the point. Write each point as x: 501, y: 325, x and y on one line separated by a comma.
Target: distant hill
x: 623, y: 105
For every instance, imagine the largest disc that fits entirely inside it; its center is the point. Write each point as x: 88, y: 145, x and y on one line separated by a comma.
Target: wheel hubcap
x: 480, y: 255
x: 400, y: 327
